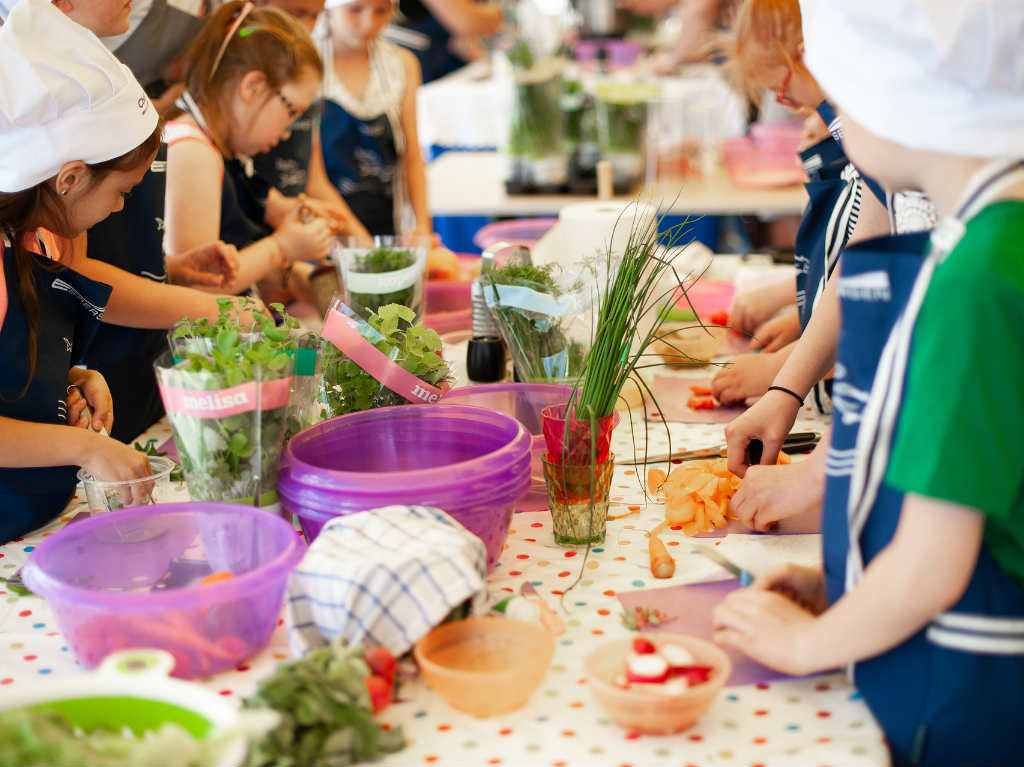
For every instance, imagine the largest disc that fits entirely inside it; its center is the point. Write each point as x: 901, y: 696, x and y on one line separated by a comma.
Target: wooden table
x: 472, y: 184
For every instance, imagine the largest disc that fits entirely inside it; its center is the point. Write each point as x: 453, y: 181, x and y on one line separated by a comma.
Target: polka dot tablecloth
x: 816, y: 721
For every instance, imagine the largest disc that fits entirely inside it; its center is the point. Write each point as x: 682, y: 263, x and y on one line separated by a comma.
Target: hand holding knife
x: 794, y: 443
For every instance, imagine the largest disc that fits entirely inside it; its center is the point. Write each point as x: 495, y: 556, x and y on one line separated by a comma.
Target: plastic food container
x: 134, y: 579
x: 520, y: 231
x: 131, y: 689
x: 753, y: 165
x: 112, y: 496
x: 472, y: 463
x: 649, y: 712
x: 485, y: 666
x: 522, y: 401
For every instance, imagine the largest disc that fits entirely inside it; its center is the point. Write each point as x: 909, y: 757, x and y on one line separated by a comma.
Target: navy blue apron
x: 70, y: 306
x: 132, y: 239
x: 420, y: 32
x: 828, y: 113
x: 944, y: 696
x: 361, y: 161
x: 285, y: 168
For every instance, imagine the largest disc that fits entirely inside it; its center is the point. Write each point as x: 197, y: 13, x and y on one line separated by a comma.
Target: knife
x: 720, y: 559
x: 794, y: 443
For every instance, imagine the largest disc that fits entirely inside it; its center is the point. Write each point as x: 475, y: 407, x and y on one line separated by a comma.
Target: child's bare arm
x: 922, y: 572
x: 413, y: 165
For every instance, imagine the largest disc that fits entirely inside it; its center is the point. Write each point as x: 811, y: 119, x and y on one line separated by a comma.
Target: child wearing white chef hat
x: 76, y: 134
x: 368, y: 130
x: 924, y: 504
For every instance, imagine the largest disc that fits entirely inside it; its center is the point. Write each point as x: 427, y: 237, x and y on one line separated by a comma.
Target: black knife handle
x: 755, y: 448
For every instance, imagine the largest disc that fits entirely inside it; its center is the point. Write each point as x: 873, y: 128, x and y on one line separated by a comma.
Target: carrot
x: 702, y: 391
x: 655, y: 479
x: 662, y: 564
x: 217, y: 577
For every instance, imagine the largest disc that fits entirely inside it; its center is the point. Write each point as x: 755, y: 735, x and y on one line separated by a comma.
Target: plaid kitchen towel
x: 384, y: 577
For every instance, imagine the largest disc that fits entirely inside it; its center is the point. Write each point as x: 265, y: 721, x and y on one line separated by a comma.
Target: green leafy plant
x: 539, y: 342
x: 326, y: 712
x: 150, y: 449
x: 344, y: 387
x: 380, y: 261
x: 234, y: 457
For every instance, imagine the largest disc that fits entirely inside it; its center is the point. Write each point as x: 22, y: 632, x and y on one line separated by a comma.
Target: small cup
x: 485, y: 359
x: 578, y: 498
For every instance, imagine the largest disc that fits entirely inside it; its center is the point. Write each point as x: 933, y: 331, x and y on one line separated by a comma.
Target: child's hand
x: 336, y: 218
x: 215, y: 264
x: 769, y: 420
x: 777, y: 332
x: 770, y: 493
x: 753, y: 308
x: 803, y: 585
x: 88, y: 387
x: 766, y: 626
x: 304, y: 241
x: 749, y: 375
x: 111, y: 461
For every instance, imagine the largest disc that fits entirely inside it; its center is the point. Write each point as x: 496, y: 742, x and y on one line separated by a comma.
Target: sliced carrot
x: 216, y: 577
x: 702, y: 391
x: 655, y: 479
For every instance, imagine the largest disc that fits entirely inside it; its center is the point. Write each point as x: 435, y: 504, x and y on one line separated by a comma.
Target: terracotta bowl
x: 485, y: 666
x: 647, y: 712
x: 693, y: 344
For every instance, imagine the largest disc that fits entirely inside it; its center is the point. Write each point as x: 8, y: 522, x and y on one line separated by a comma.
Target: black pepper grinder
x: 485, y: 352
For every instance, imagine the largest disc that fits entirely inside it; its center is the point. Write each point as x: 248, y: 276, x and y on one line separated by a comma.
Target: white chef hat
x: 942, y: 75
x: 63, y: 97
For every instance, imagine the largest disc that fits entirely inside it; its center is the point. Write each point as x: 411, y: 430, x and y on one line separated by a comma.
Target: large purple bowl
x: 133, y: 579
x: 470, y: 462
x: 522, y: 401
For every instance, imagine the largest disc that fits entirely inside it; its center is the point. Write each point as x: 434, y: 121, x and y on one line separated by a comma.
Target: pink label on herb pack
x: 341, y: 331
x: 222, y: 403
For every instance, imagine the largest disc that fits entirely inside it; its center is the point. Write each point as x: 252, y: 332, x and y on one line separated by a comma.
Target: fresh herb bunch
x: 326, y: 712
x: 538, y: 344
x: 150, y: 449
x: 232, y: 458
x: 344, y: 387
x: 538, y: 119
x: 380, y: 261
x: 632, y: 294
x: 622, y: 116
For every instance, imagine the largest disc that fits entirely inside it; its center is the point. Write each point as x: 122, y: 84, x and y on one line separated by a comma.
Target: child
x: 249, y: 74
x: 295, y: 167
x: 924, y: 510
x: 62, y: 169
x: 766, y: 53
x: 368, y: 133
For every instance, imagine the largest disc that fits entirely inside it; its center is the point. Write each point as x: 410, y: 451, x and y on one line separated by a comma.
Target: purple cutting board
x: 171, y: 448
x: 671, y: 393
x: 691, y: 608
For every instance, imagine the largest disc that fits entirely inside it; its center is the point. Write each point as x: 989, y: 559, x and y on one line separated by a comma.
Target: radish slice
x: 675, y: 686
x: 647, y: 669
x: 676, y: 655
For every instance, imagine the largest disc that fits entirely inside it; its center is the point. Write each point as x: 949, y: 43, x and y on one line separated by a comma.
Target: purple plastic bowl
x: 131, y: 580
x: 525, y: 231
x: 522, y: 401
x: 472, y: 463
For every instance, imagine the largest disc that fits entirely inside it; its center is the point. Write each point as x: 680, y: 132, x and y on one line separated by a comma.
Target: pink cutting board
x: 690, y: 608
x: 707, y: 297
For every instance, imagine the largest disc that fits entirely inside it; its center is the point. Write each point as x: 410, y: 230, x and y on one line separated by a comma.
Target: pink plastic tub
x: 522, y: 401
x: 524, y: 231
x: 472, y: 463
x: 754, y: 165
x: 132, y: 580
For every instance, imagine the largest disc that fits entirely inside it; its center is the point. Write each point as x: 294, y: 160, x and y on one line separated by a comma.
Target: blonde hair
x: 765, y: 33
x: 268, y: 41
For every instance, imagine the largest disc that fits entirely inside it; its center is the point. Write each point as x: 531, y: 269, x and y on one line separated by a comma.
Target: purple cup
x: 132, y: 580
x: 522, y: 401
x: 470, y: 462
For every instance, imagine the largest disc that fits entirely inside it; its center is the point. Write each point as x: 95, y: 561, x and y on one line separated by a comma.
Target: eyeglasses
x: 293, y: 111
x: 780, y: 92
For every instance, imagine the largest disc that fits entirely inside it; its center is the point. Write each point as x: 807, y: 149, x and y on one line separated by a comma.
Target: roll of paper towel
x: 586, y: 230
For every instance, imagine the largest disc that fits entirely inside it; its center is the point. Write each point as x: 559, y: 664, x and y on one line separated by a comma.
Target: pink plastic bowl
x: 132, y: 580
x: 522, y: 401
x: 752, y: 165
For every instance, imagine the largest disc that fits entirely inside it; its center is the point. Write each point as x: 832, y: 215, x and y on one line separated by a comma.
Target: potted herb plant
x: 541, y: 319
x: 621, y: 127
x: 225, y: 389
x: 378, y: 271
x: 578, y: 465
x: 381, y: 361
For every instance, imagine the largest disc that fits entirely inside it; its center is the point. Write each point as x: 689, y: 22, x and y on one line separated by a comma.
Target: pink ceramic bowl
x: 647, y: 712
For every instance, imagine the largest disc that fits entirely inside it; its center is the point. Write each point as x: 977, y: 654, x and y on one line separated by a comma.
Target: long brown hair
x: 268, y: 41
x: 21, y: 213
